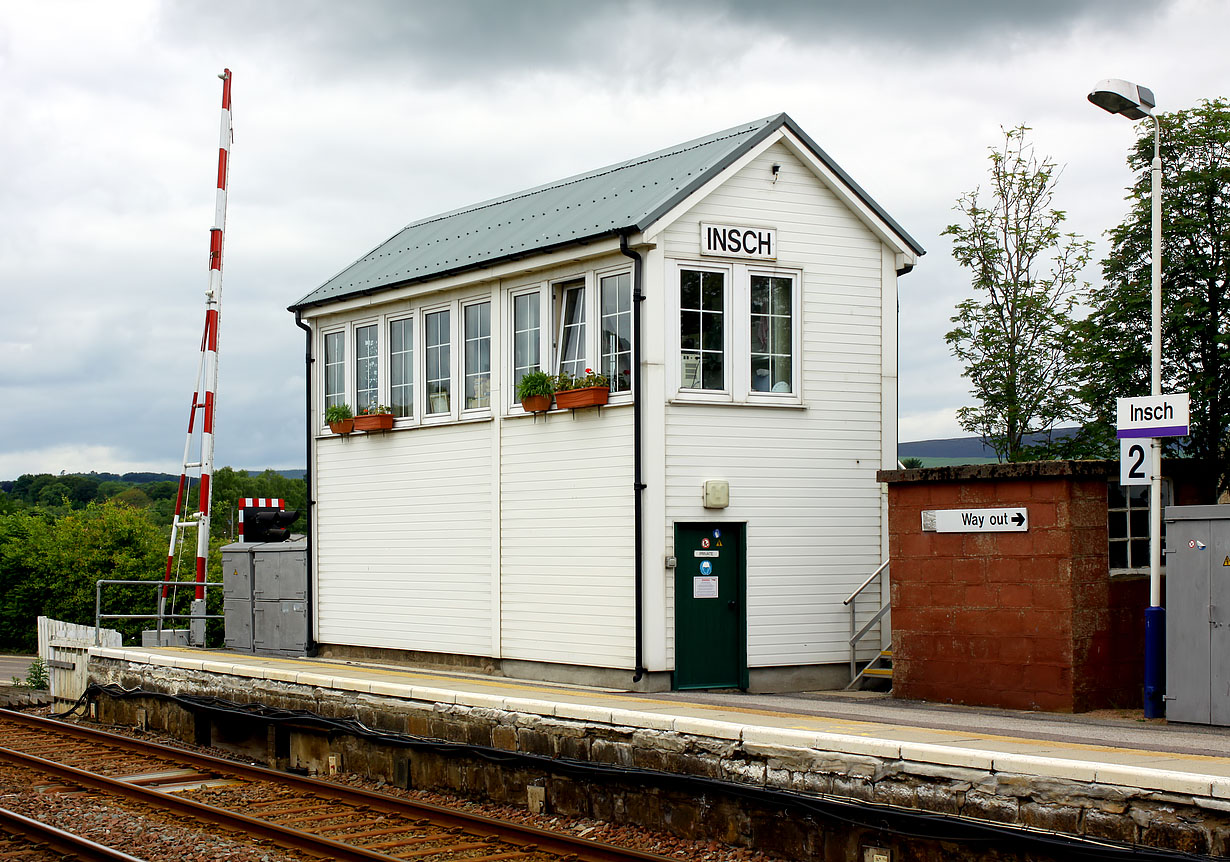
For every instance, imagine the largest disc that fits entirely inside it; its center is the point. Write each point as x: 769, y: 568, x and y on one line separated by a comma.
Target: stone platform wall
x: 1178, y: 813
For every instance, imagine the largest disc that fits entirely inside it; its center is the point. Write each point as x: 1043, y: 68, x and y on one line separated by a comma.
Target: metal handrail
x: 863, y: 585
x: 856, y: 636
x: 99, y: 616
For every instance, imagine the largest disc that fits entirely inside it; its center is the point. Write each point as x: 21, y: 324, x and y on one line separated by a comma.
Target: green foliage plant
x: 1014, y: 336
x: 1114, y: 341
x: 566, y: 382
x: 910, y: 463
x: 38, y: 677
x: 535, y: 383
x: 338, y: 413
x: 374, y: 410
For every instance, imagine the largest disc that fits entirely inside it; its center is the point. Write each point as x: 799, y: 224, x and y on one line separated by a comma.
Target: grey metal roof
x: 625, y: 197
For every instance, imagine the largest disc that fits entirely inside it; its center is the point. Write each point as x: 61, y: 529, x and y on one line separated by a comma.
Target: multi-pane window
x: 572, y: 329
x: 702, y: 341
x: 438, y: 375
x: 366, y: 367
x: 401, y: 366
x: 477, y: 355
x: 335, y: 368
x: 616, y: 333
x: 527, y: 336
x: 1127, y: 525
x: 772, y: 339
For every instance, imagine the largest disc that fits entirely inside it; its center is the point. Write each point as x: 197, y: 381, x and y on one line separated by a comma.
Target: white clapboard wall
x: 65, y: 649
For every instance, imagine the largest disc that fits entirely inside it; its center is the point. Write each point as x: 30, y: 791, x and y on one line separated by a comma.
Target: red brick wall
x: 1016, y: 620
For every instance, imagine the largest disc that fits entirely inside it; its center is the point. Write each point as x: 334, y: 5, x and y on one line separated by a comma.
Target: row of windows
x: 568, y: 327
x: 574, y: 349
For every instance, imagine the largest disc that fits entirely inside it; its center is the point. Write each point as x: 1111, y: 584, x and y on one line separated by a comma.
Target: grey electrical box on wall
x: 717, y: 494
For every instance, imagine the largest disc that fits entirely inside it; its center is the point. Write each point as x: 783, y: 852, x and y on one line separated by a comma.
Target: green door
x: 710, y: 600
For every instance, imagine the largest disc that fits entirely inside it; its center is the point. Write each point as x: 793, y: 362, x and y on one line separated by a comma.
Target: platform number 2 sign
x: 1134, y: 461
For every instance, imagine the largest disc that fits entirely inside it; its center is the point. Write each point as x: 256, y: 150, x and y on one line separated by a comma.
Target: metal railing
x: 99, y: 616
x: 856, y: 636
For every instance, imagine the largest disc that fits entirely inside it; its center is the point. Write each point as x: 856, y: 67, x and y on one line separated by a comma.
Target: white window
x: 1127, y: 526
x: 438, y: 361
x: 572, y: 353
x: 366, y: 367
x: 477, y: 355
x: 772, y: 334
x: 526, y: 335
x: 702, y: 330
x: 335, y: 368
x: 401, y: 366
x: 739, y: 334
x: 615, y: 338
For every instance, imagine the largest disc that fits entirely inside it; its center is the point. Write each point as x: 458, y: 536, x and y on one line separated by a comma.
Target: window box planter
x: 536, y: 403
x: 342, y: 426
x: 590, y: 396
x: 373, y: 422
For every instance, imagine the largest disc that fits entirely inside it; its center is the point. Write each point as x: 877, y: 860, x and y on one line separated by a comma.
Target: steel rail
x: 59, y: 841
x: 281, y: 835
x: 513, y: 833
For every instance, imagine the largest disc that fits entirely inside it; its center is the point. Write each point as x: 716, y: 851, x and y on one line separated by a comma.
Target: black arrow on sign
x: 1018, y: 518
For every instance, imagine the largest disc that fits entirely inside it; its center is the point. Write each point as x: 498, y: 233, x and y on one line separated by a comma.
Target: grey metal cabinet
x: 264, y: 587
x: 1198, y: 614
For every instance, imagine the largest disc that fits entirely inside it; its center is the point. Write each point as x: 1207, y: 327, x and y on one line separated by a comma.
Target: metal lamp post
x: 1134, y: 102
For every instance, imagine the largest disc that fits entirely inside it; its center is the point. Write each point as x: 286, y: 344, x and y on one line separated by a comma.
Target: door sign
x: 704, y: 543
x: 705, y: 588
x: 706, y: 567
x: 710, y: 554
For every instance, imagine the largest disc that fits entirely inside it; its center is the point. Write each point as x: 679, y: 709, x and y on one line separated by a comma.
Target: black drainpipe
x: 639, y: 531
x: 310, y: 645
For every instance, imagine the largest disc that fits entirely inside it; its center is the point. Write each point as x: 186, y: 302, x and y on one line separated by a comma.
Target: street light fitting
x: 1123, y: 97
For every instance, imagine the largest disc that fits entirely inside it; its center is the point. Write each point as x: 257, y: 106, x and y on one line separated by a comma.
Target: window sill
x: 517, y: 413
x: 727, y: 401
x: 465, y: 420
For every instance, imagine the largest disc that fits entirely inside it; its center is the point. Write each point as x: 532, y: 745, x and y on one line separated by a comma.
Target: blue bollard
x: 1155, y: 662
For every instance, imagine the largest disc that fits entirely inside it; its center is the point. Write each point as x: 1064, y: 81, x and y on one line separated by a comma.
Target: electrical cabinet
x: 264, y: 589
x: 1198, y: 614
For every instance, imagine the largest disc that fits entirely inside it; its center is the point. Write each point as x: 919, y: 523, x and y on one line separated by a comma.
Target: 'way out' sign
x: 1001, y: 520
x: 1153, y: 416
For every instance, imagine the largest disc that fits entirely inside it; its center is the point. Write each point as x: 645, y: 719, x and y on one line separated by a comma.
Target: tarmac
x: 1113, y: 748
x: 14, y: 666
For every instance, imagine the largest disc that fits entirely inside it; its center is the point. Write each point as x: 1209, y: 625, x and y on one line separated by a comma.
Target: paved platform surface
x: 1120, y: 750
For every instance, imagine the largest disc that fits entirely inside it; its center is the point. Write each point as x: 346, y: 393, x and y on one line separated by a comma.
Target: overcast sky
x: 353, y: 119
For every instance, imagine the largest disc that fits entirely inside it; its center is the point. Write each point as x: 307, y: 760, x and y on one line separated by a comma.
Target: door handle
x: 732, y: 604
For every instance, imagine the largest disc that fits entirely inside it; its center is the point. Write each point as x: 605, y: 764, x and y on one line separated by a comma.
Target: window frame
x: 737, y: 334
x: 542, y: 295
x: 463, y: 373
x: 560, y: 288
x: 353, y: 356
x: 388, y: 321
x: 324, y: 381
x: 1127, y: 539
x: 427, y: 417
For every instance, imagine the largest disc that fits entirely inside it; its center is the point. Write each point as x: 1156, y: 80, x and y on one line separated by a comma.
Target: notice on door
x: 705, y: 587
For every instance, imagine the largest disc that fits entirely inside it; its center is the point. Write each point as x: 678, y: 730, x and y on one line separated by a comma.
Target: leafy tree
x: 49, y: 567
x: 1014, y: 336
x: 1114, y: 343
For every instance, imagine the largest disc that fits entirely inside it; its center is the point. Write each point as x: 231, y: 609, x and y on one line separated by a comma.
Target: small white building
x: 700, y: 530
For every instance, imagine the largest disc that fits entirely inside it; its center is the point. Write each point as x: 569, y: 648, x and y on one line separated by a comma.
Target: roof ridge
x: 610, y: 169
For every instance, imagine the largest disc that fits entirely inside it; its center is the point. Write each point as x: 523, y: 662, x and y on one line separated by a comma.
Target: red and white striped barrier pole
x: 205, y: 396
x: 213, y: 310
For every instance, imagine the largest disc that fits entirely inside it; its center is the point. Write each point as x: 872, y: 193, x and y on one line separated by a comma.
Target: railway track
x: 31, y: 841
x: 315, y: 817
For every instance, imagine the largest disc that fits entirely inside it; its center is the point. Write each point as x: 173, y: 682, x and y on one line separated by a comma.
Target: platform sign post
x: 1142, y: 422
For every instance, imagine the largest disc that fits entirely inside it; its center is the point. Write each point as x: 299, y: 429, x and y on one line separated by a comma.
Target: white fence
x: 65, y: 649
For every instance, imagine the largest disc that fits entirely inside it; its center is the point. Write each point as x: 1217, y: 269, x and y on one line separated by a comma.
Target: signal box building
x: 699, y: 530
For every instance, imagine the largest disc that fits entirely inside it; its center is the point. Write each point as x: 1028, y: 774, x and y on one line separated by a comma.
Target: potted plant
x: 375, y: 417
x: 339, y: 418
x: 585, y: 390
x: 535, y: 391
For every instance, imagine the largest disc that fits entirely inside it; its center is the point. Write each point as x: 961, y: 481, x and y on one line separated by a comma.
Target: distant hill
x: 965, y: 450
x: 144, y: 478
